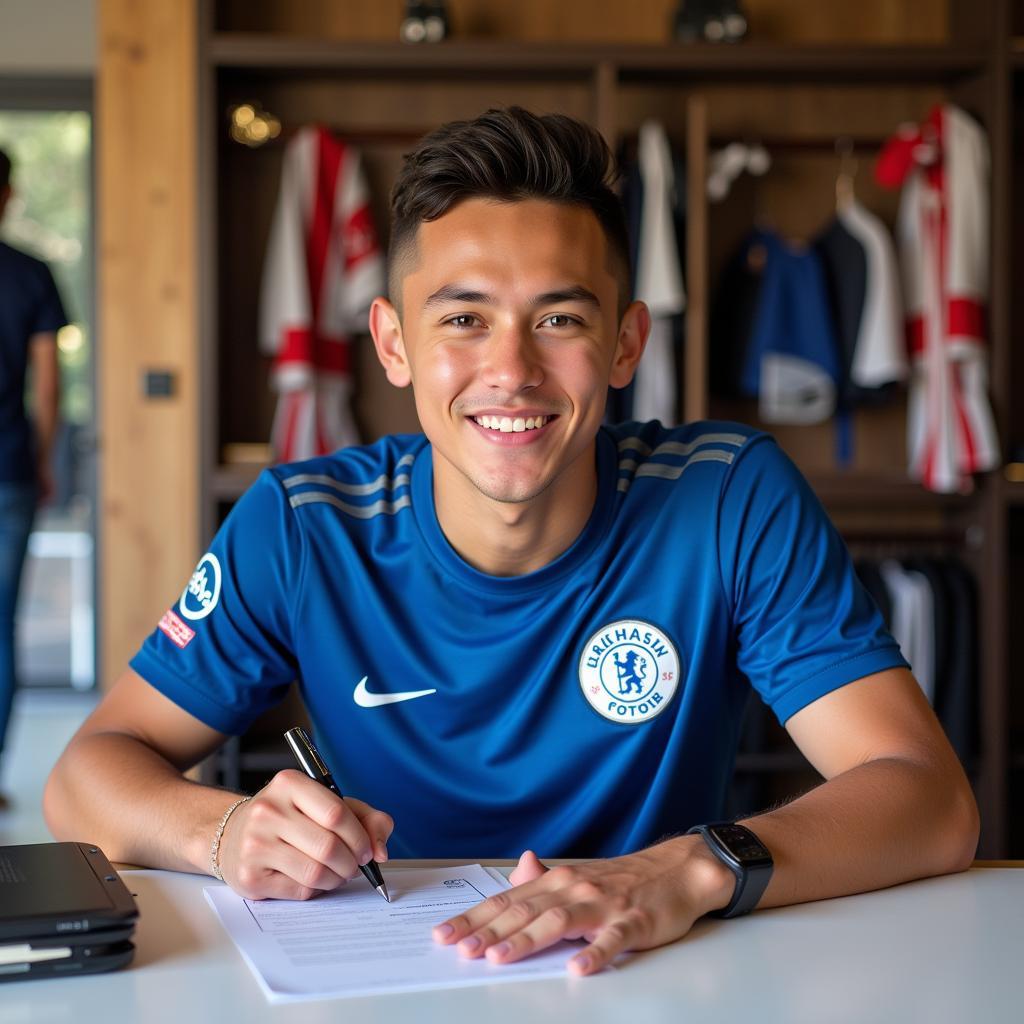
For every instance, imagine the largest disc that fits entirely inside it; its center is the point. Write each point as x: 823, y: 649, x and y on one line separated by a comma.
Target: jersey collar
x: 568, y: 562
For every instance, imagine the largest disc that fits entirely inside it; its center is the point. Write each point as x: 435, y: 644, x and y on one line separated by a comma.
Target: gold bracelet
x: 215, y: 845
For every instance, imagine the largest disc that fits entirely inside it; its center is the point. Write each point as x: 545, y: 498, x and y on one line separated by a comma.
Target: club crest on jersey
x: 201, y: 595
x: 629, y: 671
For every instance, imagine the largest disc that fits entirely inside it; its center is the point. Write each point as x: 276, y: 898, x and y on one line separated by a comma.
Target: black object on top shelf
x: 713, y: 21
x: 424, y: 22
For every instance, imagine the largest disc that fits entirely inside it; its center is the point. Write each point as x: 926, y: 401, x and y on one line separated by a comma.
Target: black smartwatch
x: 745, y: 856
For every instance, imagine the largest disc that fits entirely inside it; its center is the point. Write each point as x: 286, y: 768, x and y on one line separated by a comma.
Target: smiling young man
x: 524, y: 631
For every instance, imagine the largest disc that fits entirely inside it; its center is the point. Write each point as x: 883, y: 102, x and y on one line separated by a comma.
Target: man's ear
x: 386, y: 330
x: 633, y: 330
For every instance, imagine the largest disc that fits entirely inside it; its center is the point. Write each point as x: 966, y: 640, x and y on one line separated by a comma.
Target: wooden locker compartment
x: 791, y: 84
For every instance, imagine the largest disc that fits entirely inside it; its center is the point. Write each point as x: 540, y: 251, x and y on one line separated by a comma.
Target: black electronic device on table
x: 63, y: 911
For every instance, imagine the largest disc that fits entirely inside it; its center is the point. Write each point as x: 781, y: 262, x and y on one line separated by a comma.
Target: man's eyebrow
x: 577, y: 293
x: 457, y: 293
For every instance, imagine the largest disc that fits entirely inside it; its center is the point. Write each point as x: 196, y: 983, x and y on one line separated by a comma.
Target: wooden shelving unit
x: 1013, y: 492
x: 800, y: 95
x: 258, y: 51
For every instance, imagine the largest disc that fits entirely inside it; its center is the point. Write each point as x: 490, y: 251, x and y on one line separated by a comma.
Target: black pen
x: 313, y: 765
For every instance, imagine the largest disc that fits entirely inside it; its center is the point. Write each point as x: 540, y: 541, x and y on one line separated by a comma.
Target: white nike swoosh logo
x: 365, y: 699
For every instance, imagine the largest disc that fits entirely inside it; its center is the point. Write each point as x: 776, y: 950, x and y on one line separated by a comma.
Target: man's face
x: 510, y: 337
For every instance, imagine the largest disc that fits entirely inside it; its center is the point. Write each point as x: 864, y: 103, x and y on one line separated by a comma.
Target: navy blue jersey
x: 29, y: 304
x: 585, y: 709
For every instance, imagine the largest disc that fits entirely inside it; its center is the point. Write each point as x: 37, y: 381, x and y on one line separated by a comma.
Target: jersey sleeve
x: 48, y: 315
x: 223, y: 651
x: 803, y: 623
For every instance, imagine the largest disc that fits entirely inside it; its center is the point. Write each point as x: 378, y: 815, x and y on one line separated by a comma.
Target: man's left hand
x: 638, y: 901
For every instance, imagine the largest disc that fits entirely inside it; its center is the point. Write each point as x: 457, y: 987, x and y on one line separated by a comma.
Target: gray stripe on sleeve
x: 678, y: 447
x: 667, y: 472
x: 664, y: 471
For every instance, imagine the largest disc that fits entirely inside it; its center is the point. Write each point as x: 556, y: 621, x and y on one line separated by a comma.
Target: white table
x: 944, y: 949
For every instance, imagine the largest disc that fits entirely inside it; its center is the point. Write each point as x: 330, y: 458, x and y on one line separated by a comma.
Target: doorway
x: 47, y: 130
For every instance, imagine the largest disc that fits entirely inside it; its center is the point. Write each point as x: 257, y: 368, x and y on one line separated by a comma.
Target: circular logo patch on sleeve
x: 201, y: 595
x: 629, y: 671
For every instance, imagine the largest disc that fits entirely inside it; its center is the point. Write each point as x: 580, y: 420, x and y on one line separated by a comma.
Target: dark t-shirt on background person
x: 29, y: 305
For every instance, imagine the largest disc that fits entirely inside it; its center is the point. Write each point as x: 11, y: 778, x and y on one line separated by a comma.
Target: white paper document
x: 353, y: 943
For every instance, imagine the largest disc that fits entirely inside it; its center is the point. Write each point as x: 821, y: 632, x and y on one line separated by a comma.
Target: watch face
x: 742, y: 844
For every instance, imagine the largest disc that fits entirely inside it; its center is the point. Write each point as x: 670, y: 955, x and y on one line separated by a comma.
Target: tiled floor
x: 41, y: 726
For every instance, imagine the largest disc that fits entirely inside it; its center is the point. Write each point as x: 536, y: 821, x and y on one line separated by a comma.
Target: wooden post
x: 606, y: 77
x: 149, y: 446
x: 695, y: 360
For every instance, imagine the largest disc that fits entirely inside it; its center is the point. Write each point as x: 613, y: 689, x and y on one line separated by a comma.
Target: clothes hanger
x: 727, y: 164
x: 845, y: 194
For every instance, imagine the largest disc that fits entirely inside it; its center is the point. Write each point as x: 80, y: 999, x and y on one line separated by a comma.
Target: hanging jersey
x: 792, y: 361
x: 588, y: 708
x: 912, y: 621
x: 322, y: 270
x: 957, y: 704
x: 659, y: 278
x: 879, y: 354
x: 845, y: 266
x: 733, y: 314
x: 862, y: 275
x: 944, y: 238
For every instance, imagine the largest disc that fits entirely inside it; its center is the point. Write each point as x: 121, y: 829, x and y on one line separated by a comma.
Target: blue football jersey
x: 585, y: 709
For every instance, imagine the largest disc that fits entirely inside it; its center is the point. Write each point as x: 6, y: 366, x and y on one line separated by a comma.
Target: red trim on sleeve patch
x: 175, y: 630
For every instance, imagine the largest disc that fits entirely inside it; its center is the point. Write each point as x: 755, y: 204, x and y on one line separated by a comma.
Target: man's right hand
x: 120, y: 784
x: 295, y: 838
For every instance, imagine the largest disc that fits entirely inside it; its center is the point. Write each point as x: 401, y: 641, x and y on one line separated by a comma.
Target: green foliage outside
x: 49, y: 217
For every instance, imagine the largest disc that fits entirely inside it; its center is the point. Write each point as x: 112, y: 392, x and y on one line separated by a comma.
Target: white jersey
x: 659, y: 278
x: 322, y: 270
x: 879, y: 355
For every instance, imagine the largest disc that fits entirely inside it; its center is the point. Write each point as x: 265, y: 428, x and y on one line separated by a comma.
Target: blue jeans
x: 17, y: 510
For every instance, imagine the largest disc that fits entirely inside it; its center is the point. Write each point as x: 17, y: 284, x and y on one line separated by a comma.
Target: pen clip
x: 305, y: 753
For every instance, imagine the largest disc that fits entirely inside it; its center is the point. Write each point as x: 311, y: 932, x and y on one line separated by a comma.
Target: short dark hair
x: 5, y: 170
x: 510, y: 155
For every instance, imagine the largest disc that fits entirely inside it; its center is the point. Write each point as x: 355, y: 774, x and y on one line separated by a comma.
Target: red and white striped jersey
x: 943, y: 233
x: 323, y: 268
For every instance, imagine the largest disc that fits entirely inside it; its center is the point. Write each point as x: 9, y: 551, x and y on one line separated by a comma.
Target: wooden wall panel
x: 611, y: 21
x: 149, y: 448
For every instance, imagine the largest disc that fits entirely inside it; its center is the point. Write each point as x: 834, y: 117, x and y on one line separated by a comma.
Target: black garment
x: 732, y: 319
x: 633, y: 205
x: 29, y: 305
x: 679, y: 176
x: 958, y: 707
x: 845, y: 264
x: 620, y: 400
x: 868, y: 573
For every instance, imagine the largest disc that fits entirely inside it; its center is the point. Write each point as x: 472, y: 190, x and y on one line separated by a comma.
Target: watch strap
x: 751, y: 880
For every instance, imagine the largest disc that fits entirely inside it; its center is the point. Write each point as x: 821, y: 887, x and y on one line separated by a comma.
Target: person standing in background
x: 31, y: 313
